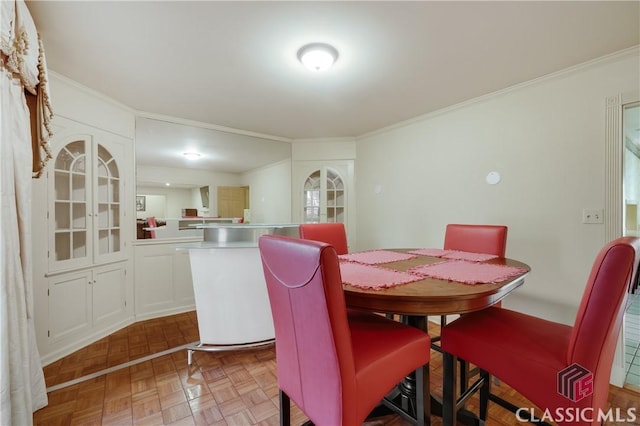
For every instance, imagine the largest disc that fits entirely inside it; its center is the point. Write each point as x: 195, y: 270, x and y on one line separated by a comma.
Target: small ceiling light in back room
x: 317, y: 56
x: 191, y: 155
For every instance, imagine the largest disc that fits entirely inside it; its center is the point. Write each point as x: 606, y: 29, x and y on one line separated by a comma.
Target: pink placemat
x: 373, y: 277
x: 375, y: 257
x: 468, y: 272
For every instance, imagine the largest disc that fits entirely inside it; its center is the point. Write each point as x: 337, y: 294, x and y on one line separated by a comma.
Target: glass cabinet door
x: 311, y: 210
x: 71, y: 210
x: 335, y: 197
x: 324, y: 197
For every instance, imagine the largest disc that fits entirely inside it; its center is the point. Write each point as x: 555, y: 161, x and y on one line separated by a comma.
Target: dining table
x: 421, y: 282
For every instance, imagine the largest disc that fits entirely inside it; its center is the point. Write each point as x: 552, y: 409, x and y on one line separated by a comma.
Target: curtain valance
x: 23, y: 56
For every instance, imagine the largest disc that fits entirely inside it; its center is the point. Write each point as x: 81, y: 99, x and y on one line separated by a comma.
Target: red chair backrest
x: 313, y: 342
x: 331, y: 233
x: 487, y: 239
x: 601, y: 311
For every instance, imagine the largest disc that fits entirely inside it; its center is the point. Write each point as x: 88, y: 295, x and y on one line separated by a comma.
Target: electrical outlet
x: 592, y: 216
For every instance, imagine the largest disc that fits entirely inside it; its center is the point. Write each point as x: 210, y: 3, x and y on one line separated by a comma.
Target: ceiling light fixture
x: 317, y: 56
x: 191, y: 155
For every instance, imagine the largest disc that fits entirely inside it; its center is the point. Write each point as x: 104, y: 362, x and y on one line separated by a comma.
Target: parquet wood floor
x: 225, y: 388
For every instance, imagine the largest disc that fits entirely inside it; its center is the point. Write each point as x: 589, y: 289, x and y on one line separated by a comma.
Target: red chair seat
x: 377, y: 345
x: 530, y: 352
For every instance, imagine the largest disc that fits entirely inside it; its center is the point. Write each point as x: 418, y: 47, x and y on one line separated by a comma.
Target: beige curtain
x: 21, y: 378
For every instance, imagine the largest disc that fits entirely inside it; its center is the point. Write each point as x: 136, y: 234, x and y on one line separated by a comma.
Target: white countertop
x: 248, y: 225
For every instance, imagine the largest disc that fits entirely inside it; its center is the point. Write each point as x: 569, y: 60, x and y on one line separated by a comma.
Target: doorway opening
x: 631, y: 220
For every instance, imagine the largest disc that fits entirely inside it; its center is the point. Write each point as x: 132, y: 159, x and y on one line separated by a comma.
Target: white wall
x: 545, y: 137
x: 270, y: 192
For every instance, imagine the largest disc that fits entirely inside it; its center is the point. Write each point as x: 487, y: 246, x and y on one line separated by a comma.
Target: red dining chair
x: 557, y: 367
x: 486, y: 239
x: 332, y: 233
x: 336, y: 367
x: 151, y: 221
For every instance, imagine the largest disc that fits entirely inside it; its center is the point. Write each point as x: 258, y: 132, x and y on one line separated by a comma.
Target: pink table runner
x: 472, y: 257
x: 433, y: 252
x: 375, y: 257
x: 373, y: 277
x: 468, y: 272
x: 454, y: 254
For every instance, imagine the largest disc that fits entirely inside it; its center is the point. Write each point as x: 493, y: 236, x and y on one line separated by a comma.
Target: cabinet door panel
x: 69, y: 307
x: 154, y: 280
x: 69, y: 212
x: 108, y: 294
x: 182, y: 278
x: 106, y: 195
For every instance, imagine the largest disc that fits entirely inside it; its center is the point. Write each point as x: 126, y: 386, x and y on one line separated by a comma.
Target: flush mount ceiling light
x: 317, y: 56
x: 191, y: 155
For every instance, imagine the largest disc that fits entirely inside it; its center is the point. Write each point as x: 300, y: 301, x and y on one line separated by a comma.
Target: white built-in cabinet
x: 322, y: 191
x: 89, y: 271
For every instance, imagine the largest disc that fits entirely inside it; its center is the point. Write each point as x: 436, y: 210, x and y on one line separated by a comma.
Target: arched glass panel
x: 324, y: 197
x: 108, y: 203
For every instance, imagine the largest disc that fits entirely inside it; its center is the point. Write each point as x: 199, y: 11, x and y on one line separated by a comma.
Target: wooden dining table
x: 428, y: 296
x: 432, y: 296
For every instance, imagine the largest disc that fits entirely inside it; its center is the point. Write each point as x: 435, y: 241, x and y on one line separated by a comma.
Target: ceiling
x: 233, y: 64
